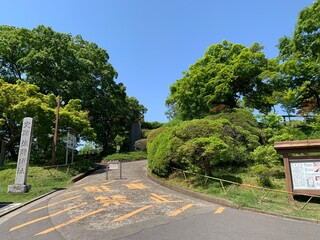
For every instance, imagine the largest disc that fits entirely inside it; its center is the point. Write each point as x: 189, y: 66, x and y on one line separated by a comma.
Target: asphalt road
x: 134, y: 207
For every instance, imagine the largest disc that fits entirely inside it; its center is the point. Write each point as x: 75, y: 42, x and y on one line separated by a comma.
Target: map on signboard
x: 305, y: 175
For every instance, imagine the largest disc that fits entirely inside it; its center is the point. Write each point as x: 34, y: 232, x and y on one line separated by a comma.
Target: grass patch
x: 129, y: 156
x: 41, y: 180
x: 261, y: 199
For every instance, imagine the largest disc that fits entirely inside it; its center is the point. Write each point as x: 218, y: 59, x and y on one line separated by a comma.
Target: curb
x: 74, y: 179
x: 226, y: 203
x: 83, y: 175
x: 26, y: 203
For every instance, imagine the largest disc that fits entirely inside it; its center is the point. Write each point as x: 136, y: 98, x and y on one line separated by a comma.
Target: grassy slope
x: 41, y: 180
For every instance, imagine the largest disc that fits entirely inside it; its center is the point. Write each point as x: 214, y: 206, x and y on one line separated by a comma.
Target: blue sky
x: 151, y: 42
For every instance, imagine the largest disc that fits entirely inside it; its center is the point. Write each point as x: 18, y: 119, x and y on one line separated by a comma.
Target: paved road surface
x: 137, y: 208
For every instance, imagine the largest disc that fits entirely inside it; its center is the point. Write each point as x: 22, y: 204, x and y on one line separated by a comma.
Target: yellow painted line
x: 80, y: 185
x: 105, y: 189
x: 136, y: 186
x: 92, y: 189
x: 219, y: 210
x: 131, y: 214
x: 70, y: 222
x: 46, y: 217
x: 110, y: 182
x: 52, y: 204
x: 184, y: 208
x: 136, y: 181
x: 67, y: 193
x: 162, y: 198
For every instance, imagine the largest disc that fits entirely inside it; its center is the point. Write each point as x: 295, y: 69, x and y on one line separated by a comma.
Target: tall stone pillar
x: 20, y: 184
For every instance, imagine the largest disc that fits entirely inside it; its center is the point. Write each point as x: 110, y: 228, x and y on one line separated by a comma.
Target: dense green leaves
x: 226, y: 73
x: 300, y: 58
x: 73, y: 68
x: 24, y: 100
x: 199, y: 145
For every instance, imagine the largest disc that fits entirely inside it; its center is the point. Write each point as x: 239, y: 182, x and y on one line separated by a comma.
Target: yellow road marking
x: 92, y: 189
x: 67, y: 193
x: 105, y: 188
x: 70, y: 222
x: 162, y: 198
x: 115, y: 200
x: 136, y: 186
x: 52, y: 204
x: 136, y: 181
x: 110, y: 182
x: 219, y: 210
x: 184, y: 208
x: 42, y: 218
x: 80, y: 185
x: 132, y: 213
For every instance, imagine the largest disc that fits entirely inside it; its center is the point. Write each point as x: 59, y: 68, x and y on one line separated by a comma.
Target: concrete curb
x: 83, y: 175
x: 26, y: 203
x: 74, y: 179
x: 226, y: 203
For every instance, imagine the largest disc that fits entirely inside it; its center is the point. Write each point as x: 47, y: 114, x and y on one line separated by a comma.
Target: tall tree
x: 24, y: 100
x: 300, y: 58
x: 226, y: 73
x: 71, y: 67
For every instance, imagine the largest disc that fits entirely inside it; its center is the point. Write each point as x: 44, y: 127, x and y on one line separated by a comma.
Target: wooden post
x: 288, y: 176
x: 55, y: 136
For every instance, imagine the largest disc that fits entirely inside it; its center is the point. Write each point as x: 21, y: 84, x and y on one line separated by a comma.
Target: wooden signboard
x: 302, y: 172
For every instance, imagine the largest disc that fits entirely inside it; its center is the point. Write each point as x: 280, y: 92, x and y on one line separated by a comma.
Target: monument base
x: 18, y: 188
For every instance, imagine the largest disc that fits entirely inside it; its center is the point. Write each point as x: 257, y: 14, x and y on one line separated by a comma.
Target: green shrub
x: 287, y: 133
x: 153, y: 133
x: 129, y: 156
x: 239, y: 117
x: 267, y: 163
x: 199, y: 145
x: 202, y: 154
x: 159, y: 152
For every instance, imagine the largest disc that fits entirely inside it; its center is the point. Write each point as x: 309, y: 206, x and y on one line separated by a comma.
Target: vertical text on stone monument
x: 24, y: 151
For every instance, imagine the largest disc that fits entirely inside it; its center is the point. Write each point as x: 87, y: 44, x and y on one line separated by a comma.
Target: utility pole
x: 55, y: 136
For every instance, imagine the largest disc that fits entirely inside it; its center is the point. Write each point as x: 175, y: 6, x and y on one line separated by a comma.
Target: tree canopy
x: 24, y: 100
x: 300, y: 61
x: 73, y: 68
x: 227, y: 73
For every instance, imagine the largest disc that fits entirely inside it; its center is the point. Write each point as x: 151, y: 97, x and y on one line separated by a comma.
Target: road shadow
x: 5, y: 204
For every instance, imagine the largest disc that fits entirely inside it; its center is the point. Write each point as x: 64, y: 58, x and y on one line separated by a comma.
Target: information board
x: 71, y: 141
x: 305, y: 175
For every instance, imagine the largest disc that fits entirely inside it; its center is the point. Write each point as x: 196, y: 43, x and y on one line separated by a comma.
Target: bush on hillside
x: 267, y: 163
x: 202, y: 154
x: 159, y: 152
x: 199, y: 145
x: 153, y: 133
x: 239, y: 117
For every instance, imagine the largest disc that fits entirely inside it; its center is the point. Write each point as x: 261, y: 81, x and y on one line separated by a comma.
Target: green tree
x: 300, y: 58
x: 24, y: 100
x: 288, y: 101
x: 73, y: 68
x: 227, y: 73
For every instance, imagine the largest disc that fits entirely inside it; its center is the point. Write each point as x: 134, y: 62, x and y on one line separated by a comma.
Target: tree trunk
x: 2, y: 152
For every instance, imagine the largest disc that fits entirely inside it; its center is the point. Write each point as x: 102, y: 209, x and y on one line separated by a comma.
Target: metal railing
x: 228, y: 186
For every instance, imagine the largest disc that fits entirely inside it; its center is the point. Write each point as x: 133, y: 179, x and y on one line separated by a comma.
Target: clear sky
x: 151, y: 42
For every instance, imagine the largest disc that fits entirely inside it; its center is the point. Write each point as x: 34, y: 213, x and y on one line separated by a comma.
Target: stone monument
x: 20, y: 184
